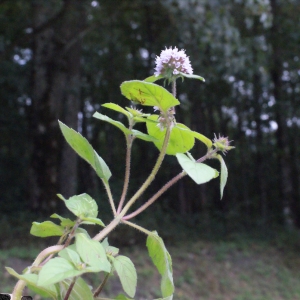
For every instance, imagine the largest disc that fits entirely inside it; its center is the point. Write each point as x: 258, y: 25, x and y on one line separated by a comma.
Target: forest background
x: 62, y: 59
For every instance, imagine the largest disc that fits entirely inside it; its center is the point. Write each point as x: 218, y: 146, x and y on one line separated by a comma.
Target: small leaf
x: 162, y: 260
x: 117, y: 108
x: 143, y: 136
x: 199, y: 172
x: 84, y: 149
x: 127, y: 274
x: 118, y: 124
x: 31, y: 280
x: 56, y: 270
x: 153, y: 78
x: 181, y: 140
x: 101, y: 168
x: 93, y: 221
x: 46, y: 228
x: 224, y: 174
x: 148, y: 94
x: 193, y: 76
x: 80, y: 291
x: 121, y: 297
x: 92, y: 253
x: 63, y: 221
x: 71, y: 255
x: 82, y: 206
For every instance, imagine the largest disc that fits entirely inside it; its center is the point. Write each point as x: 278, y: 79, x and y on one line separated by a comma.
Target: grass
x: 239, y: 268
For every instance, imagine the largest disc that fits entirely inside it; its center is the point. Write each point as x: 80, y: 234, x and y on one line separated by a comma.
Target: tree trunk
x: 55, y: 95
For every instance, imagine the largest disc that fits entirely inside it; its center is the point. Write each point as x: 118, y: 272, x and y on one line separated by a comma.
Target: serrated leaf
x: 65, y: 222
x: 148, y: 94
x: 56, y: 270
x: 127, y: 274
x: 199, y: 172
x: 180, y: 141
x: 82, y: 206
x: 143, y: 136
x: 117, y: 108
x: 46, y: 229
x: 80, y: 291
x: 153, y: 78
x: 84, y: 149
x: 224, y: 174
x: 92, y: 253
x: 193, y: 76
x: 31, y: 281
x: 118, y: 124
x: 162, y: 260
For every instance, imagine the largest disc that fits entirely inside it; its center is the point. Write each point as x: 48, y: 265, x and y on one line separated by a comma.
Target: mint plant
x: 57, y: 271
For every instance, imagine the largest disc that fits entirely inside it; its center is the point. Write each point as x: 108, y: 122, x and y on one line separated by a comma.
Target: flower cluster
x: 172, y: 62
x: 222, y: 143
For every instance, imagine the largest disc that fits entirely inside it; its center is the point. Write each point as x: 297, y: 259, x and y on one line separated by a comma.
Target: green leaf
x: 148, y: 94
x: 101, y: 168
x: 92, y: 253
x: 93, y: 221
x: 83, y: 206
x: 143, y: 136
x: 192, y: 76
x: 224, y: 174
x: 118, y: 124
x: 181, y: 140
x: 80, y: 144
x: 63, y: 221
x: 117, y: 108
x: 121, y: 297
x: 84, y: 149
x: 153, y: 78
x: 56, y: 270
x: 162, y: 260
x: 31, y: 280
x: 127, y: 274
x: 202, y: 138
x: 46, y: 228
x: 199, y: 172
x: 71, y: 255
x: 80, y: 291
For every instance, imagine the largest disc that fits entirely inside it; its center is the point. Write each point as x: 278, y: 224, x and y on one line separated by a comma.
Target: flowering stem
x: 174, y: 87
x: 129, y: 140
x: 155, y: 196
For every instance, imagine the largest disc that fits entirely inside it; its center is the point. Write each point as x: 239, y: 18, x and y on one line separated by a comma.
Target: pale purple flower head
x: 171, y: 62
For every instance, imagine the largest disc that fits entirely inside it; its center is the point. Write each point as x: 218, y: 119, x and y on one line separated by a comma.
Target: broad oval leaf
x: 224, y: 174
x: 71, y: 255
x: 162, y: 260
x: 127, y: 274
x: 202, y: 138
x: 153, y: 78
x: 92, y: 253
x: 56, y: 270
x: 148, y: 94
x: 65, y: 222
x: 46, y: 229
x: 31, y: 280
x: 82, y: 206
x: 93, y: 221
x: 199, y: 172
x: 180, y: 141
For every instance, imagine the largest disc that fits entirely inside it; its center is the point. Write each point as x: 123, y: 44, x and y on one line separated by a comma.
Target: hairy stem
x: 129, y: 140
x: 137, y: 227
x: 18, y: 290
x: 156, y: 195
x: 110, y: 197
x: 101, y: 286
x: 70, y: 288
